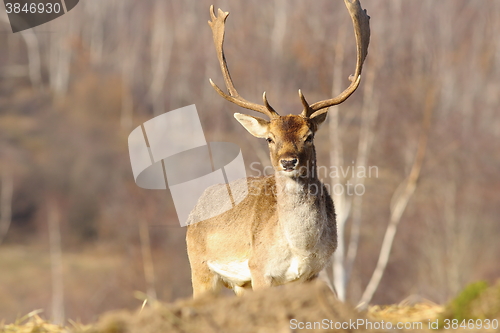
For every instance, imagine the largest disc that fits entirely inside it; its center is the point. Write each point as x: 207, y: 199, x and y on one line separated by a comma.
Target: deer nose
x: 289, y: 164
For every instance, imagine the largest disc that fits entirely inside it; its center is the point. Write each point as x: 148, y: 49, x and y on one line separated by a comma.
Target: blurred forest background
x: 78, y: 237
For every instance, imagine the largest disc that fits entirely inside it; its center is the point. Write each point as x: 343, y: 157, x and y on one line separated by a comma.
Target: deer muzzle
x: 289, y: 164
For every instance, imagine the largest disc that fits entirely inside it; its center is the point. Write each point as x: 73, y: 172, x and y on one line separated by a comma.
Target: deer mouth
x: 290, y: 172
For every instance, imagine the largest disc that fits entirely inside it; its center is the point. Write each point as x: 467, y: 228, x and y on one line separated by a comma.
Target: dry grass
x: 257, y: 312
x: 406, y: 312
x: 264, y: 311
x: 94, y: 282
x: 33, y: 323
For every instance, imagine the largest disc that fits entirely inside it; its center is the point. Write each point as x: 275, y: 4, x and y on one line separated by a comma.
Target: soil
x: 275, y: 310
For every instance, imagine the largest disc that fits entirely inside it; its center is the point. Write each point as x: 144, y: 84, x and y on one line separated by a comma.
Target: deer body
x: 284, y: 230
x: 289, y: 236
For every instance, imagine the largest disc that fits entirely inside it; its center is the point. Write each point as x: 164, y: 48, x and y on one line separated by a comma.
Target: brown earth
x: 273, y: 310
x: 265, y: 311
x: 281, y: 309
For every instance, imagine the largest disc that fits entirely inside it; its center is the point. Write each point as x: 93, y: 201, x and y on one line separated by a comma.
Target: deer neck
x: 301, y: 210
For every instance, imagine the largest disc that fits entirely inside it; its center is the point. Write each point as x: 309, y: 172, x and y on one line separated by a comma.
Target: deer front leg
x: 261, y: 282
x: 260, y: 278
x: 203, y: 280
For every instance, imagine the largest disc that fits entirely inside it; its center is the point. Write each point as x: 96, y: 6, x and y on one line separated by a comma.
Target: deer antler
x: 217, y: 24
x: 361, y: 23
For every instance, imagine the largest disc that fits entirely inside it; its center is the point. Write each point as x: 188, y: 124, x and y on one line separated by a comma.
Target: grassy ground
x: 272, y: 311
x: 90, y: 278
x: 96, y: 279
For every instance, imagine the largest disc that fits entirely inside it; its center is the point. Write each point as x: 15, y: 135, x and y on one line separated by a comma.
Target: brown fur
x: 284, y: 221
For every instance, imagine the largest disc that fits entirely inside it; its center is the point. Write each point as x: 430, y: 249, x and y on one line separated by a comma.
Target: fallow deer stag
x: 285, y: 229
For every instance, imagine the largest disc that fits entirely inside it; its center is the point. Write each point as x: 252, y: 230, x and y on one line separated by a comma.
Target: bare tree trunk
x: 278, y: 33
x: 35, y: 67
x: 53, y: 217
x: 369, y: 115
x: 96, y: 10
x: 279, y: 29
x: 7, y: 188
x: 60, y: 59
x: 127, y: 64
x: 497, y: 43
x: 34, y: 60
x: 453, y: 271
x: 398, y: 204
x: 161, y: 49
x: 342, y: 204
x: 147, y: 260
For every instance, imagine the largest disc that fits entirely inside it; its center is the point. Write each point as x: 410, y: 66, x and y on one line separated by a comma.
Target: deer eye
x: 269, y: 140
x: 309, y: 138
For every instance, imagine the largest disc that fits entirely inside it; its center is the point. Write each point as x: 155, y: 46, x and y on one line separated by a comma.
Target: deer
x: 284, y: 230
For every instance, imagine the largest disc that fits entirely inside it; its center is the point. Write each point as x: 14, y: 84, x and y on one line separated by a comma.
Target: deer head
x: 290, y: 137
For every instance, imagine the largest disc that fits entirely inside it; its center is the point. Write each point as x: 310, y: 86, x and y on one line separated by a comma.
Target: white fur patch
x: 292, y: 186
x: 236, y: 272
x: 293, y: 271
x: 298, y: 267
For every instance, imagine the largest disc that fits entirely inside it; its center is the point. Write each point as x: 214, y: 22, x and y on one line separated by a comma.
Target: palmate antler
x: 217, y: 24
x: 361, y: 23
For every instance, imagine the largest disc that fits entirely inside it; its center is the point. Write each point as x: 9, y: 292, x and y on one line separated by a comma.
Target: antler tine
x: 217, y: 24
x: 361, y: 23
x: 268, y: 106
x: 307, y: 109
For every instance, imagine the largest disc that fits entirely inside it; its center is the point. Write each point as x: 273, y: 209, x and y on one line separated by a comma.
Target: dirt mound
x: 307, y: 307
x: 275, y: 310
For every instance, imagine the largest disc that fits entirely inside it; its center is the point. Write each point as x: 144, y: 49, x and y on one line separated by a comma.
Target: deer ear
x: 318, y: 120
x: 258, y: 127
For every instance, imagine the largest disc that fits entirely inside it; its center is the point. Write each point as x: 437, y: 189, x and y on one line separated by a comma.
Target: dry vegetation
x: 265, y: 311
x: 108, y: 66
